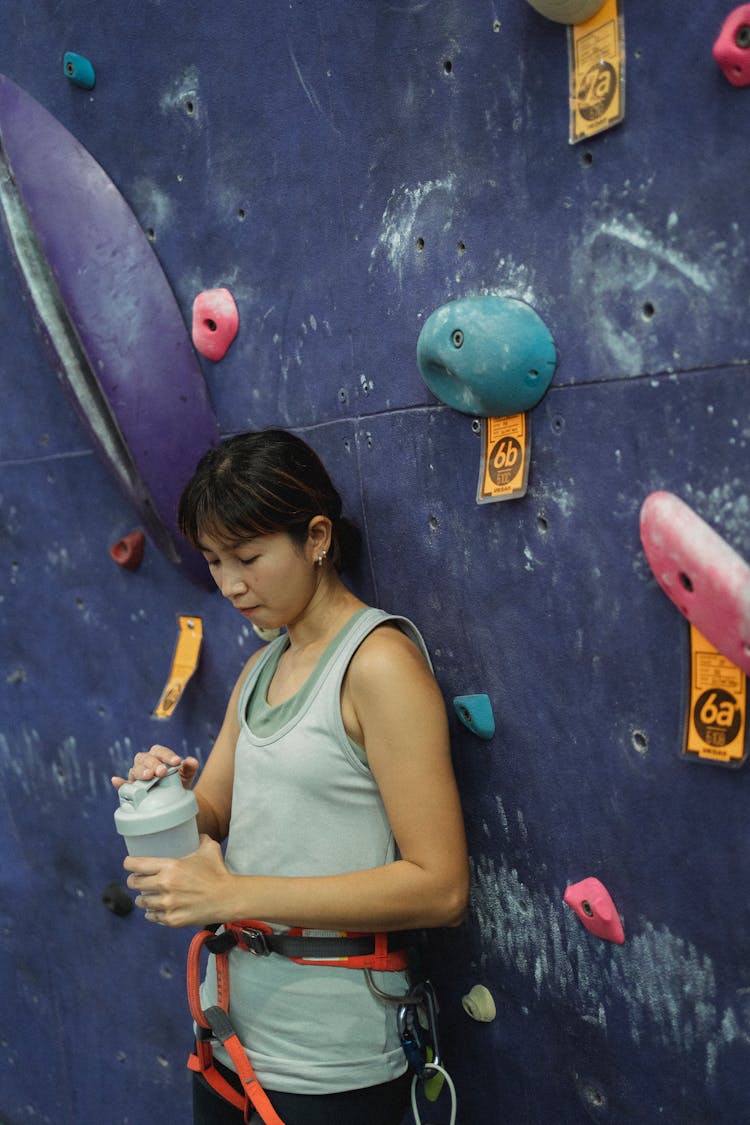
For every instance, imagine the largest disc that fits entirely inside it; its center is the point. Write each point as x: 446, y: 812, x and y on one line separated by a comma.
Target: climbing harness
x: 416, y: 1017
x: 371, y: 952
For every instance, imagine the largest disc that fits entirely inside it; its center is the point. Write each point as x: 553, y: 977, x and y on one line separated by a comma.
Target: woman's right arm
x: 213, y: 790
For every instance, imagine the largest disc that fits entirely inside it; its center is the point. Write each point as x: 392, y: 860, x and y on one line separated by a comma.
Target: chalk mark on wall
x: 666, y: 986
x: 397, y: 236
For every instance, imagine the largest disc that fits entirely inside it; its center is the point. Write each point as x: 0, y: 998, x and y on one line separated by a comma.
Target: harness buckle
x: 255, y: 942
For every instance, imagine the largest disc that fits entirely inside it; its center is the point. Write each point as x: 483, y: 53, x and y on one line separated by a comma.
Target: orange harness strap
x: 215, y: 1021
x: 355, y: 951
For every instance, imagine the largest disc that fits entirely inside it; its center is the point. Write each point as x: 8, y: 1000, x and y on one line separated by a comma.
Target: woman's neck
x: 325, y: 615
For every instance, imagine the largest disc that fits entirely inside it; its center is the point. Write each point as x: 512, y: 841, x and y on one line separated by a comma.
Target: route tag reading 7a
x: 596, y: 63
x: 715, y: 728
x: 504, y: 465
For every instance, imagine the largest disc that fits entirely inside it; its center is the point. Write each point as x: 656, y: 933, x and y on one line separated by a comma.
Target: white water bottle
x: 158, y: 817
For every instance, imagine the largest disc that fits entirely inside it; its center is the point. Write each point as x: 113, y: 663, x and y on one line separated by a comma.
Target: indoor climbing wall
x: 344, y: 171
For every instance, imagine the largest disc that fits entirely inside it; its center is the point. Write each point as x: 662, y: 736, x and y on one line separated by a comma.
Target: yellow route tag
x: 184, y: 663
x: 504, y: 468
x: 596, y: 64
x: 715, y: 729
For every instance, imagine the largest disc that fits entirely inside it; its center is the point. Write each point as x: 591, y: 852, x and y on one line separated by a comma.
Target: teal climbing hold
x: 488, y: 356
x: 79, y: 70
x: 475, y: 712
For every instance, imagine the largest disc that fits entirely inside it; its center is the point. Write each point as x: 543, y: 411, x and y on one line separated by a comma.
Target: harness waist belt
x: 261, y: 943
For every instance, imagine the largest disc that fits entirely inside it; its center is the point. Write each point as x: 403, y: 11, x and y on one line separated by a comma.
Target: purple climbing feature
x: 705, y: 578
x: 122, y: 349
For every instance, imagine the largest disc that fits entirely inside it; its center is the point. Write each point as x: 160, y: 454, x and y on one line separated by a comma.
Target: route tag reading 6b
x: 715, y: 729
x: 504, y: 467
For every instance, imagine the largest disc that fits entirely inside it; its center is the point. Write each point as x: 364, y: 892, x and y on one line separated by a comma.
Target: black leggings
x: 375, y: 1105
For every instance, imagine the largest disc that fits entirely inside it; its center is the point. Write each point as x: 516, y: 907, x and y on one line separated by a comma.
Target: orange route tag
x: 596, y: 65
x: 184, y: 663
x: 504, y: 467
x: 715, y: 728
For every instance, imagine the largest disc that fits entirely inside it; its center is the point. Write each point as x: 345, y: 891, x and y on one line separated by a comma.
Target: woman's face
x: 269, y: 579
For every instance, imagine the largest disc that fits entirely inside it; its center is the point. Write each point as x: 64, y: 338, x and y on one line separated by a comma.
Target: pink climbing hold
x: 215, y: 322
x: 594, y: 906
x: 705, y: 578
x: 732, y: 48
x: 128, y: 551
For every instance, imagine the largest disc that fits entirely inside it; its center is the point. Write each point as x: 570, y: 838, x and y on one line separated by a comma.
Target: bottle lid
x: 155, y: 805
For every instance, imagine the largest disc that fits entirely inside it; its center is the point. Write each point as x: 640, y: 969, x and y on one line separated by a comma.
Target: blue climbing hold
x: 475, y: 712
x: 79, y: 70
x: 488, y: 356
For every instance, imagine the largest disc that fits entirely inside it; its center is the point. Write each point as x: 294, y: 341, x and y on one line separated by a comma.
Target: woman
x: 331, y: 781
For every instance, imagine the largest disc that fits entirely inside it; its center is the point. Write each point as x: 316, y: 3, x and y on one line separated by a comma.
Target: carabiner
x: 418, y: 1035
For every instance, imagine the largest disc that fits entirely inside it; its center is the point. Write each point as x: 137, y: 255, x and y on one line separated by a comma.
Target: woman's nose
x: 232, y: 583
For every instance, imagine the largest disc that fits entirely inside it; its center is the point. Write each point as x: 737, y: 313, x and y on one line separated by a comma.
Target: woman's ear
x: 319, y: 536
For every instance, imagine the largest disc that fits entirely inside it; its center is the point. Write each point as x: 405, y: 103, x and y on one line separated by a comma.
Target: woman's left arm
x: 392, y: 697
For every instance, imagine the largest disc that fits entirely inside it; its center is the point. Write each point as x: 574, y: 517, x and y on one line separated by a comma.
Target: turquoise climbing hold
x: 475, y: 712
x: 79, y: 70
x: 488, y: 356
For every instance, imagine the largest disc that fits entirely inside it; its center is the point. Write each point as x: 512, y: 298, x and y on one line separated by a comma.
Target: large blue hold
x: 488, y: 356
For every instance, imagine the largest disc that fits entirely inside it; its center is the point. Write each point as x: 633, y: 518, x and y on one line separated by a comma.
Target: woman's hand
x: 191, y: 891
x: 155, y: 763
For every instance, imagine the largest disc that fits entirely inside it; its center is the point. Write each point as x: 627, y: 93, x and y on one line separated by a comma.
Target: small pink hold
x: 215, y: 322
x: 594, y: 906
x: 128, y: 551
x: 732, y: 48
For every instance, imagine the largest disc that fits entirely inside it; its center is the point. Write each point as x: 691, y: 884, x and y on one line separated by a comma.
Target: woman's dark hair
x: 264, y: 482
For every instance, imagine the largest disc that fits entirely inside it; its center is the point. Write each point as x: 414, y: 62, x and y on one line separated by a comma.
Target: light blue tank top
x: 303, y: 803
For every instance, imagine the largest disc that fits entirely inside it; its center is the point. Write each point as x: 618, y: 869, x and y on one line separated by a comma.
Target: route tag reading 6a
x: 596, y: 63
x: 715, y: 729
x: 504, y: 466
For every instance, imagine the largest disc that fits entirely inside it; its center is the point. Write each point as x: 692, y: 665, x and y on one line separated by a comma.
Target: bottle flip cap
x: 159, y: 806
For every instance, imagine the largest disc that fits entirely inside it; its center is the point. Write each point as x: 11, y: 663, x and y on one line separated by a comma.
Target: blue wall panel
x: 344, y: 171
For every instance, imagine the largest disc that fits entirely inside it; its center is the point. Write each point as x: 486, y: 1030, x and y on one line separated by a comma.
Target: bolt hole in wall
x: 640, y: 741
x: 542, y: 524
x: 648, y: 310
x: 587, y: 159
x: 419, y: 245
x: 448, y: 66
